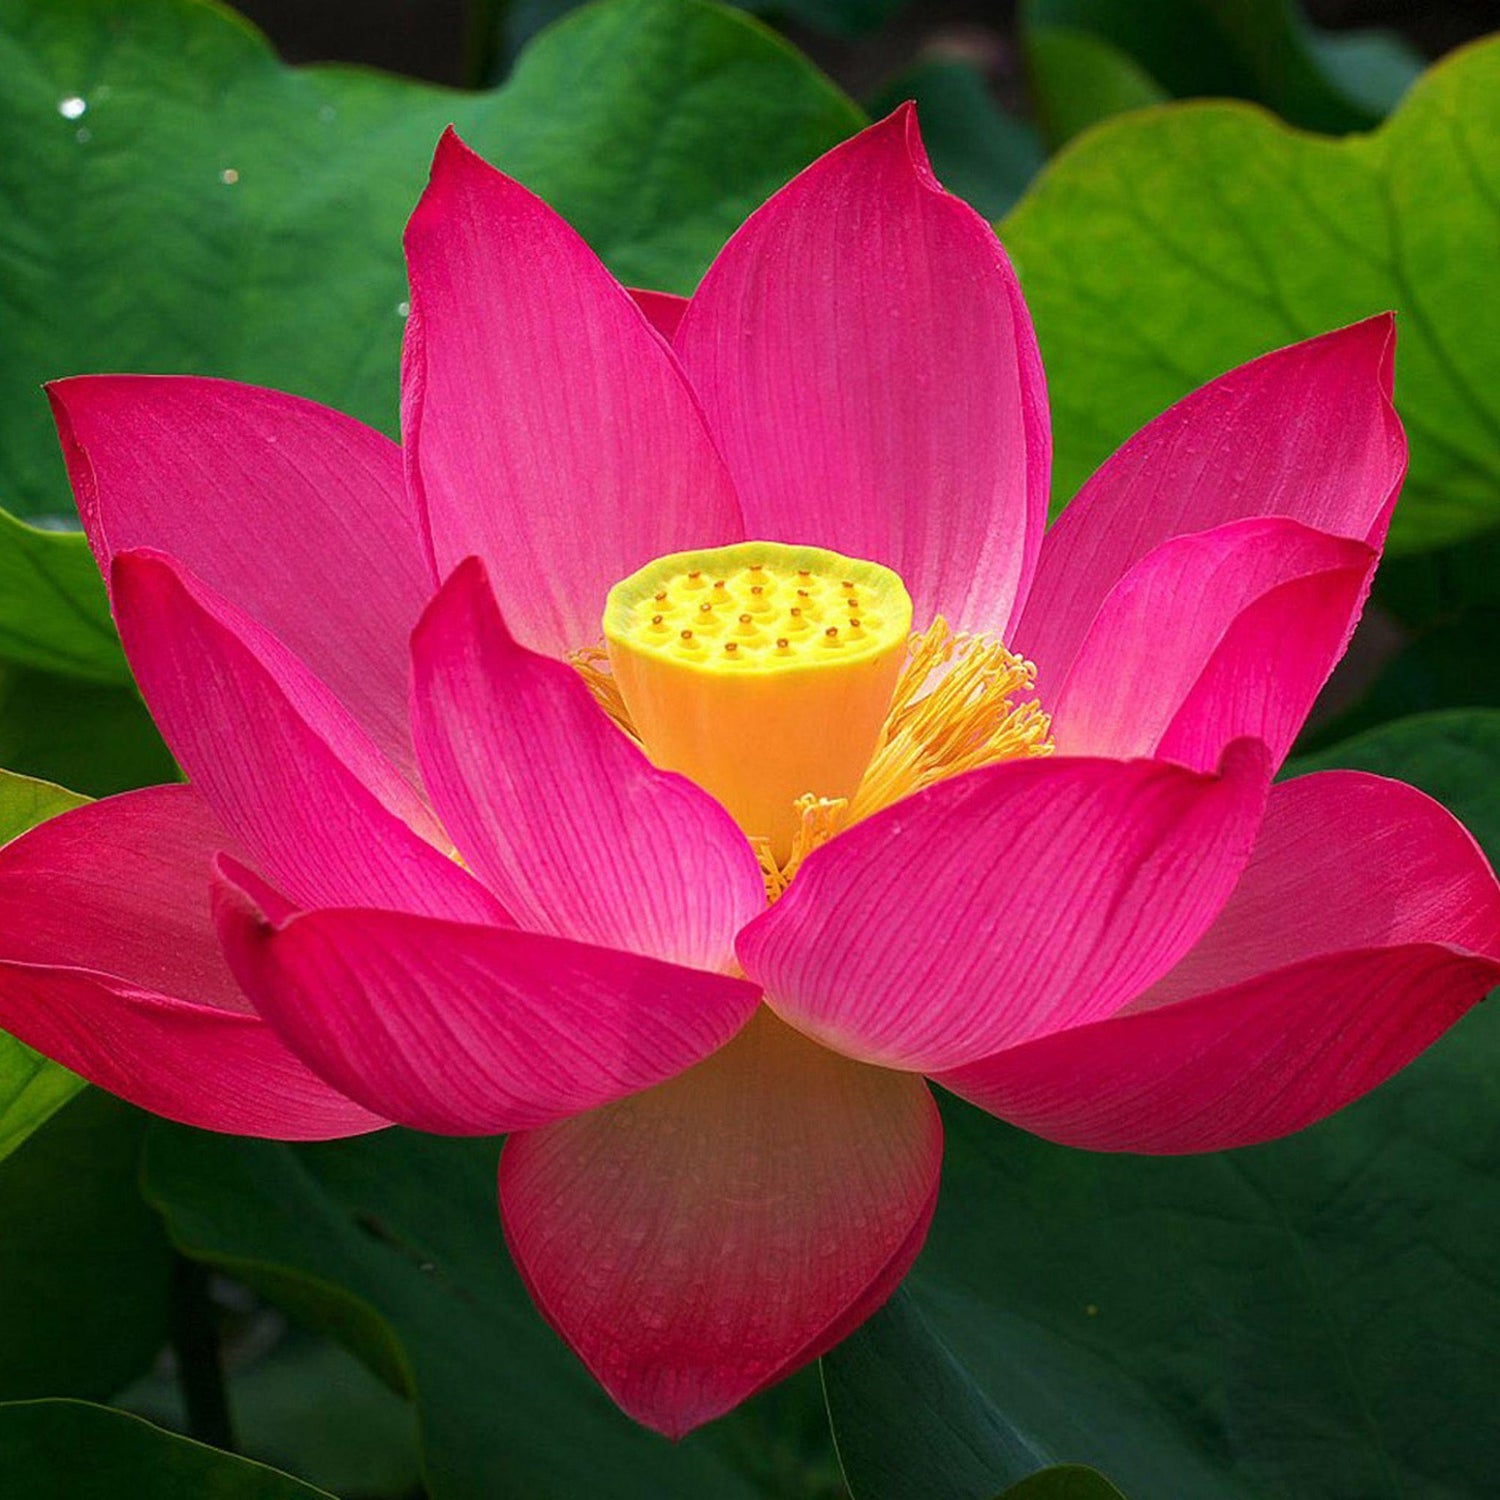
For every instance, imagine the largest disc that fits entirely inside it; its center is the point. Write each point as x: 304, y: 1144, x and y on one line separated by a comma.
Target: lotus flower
x: 869, y: 782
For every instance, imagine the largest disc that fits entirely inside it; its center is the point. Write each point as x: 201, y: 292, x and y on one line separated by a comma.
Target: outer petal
x: 277, y: 758
x: 870, y: 371
x: 555, y: 810
x: 1365, y: 925
x: 548, y: 427
x: 1307, y: 432
x: 1211, y: 637
x: 468, y: 1030
x: 697, y: 1242
x: 1005, y: 904
x: 109, y: 964
x: 295, y: 513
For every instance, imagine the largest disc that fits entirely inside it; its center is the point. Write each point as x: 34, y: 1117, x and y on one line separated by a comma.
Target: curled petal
x: 869, y: 369
x: 1005, y: 904
x: 548, y: 427
x: 555, y: 810
x: 296, y: 514
x: 1366, y: 924
x: 280, y: 761
x: 109, y: 963
x: 468, y: 1030
x: 1307, y: 432
x: 1211, y: 637
x: 699, y: 1241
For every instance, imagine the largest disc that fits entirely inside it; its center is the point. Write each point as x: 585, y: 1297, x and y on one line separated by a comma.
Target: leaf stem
x: 200, y: 1369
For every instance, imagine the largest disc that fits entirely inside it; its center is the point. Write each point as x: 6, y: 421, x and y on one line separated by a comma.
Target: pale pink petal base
x: 466, y: 1030
x: 700, y: 1241
x: 109, y: 964
x: 1004, y: 904
x: 555, y: 809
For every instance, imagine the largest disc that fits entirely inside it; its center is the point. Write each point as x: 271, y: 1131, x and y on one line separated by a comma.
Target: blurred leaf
x: 392, y: 1244
x: 1066, y: 1482
x: 85, y: 1269
x: 1260, y: 50
x: 1167, y: 246
x: 1078, y: 80
x: 69, y: 1450
x: 97, y: 738
x: 309, y: 1407
x: 979, y: 151
x: 178, y: 200
x: 32, y: 1087
x: 54, y: 615
x: 1313, y: 1319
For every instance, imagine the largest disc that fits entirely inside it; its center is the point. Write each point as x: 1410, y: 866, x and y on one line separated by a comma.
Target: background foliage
x: 1182, y: 185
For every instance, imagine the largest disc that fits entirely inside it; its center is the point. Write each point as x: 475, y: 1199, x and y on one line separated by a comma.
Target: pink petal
x: 696, y: 1243
x: 870, y: 371
x: 1211, y: 637
x: 277, y: 757
x: 468, y: 1030
x: 1307, y: 432
x: 1005, y: 904
x: 1365, y: 924
x: 295, y: 513
x: 555, y: 810
x: 548, y: 427
x: 663, y: 310
x: 109, y: 964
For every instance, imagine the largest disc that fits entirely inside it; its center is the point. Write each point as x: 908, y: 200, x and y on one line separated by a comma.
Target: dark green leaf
x: 1313, y: 1319
x: 84, y: 1266
x: 978, y: 150
x: 97, y: 738
x: 1065, y: 1482
x: 1259, y: 50
x: 1169, y: 245
x: 1077, y: 79
x: 181, y: 201
x: 69, y: 1450
x: 392, y: 1243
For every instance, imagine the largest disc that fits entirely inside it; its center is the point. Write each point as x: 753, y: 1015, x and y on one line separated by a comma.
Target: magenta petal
x: 468, y: 1030
x: 1366, y: 923
x: 869, y: 369
x: 555, y: 810
x: 1307, y: 432
x: 663, y: 310
x: 699, y: 1241
x: 1211, y: 637
x: 280, y: 761
x: 295, y: 513
x: 108, y: 963
x: 548, y: 427
x: 1005, y: 904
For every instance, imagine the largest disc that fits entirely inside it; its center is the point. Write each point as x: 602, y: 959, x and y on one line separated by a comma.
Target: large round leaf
x: 69, y: 1450
x: 1170, y: 244
x: 183, y: 202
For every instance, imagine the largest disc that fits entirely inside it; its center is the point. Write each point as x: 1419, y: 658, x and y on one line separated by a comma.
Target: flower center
x: 764, y: 672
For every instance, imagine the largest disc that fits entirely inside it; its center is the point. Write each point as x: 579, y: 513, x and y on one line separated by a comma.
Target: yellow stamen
x: 790, y: 704
x: 959, y: 702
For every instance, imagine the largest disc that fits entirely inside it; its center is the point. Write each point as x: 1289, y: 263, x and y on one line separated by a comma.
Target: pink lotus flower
x: 419, y: 875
